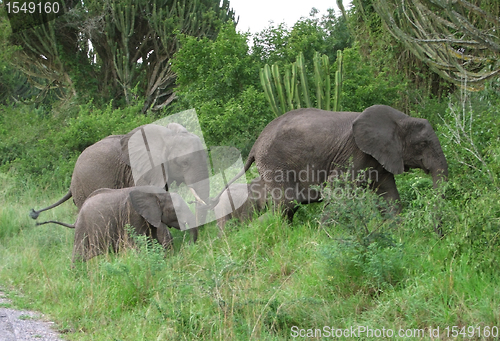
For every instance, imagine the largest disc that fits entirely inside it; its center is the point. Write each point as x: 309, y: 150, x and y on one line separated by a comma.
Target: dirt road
x: 18, y: 325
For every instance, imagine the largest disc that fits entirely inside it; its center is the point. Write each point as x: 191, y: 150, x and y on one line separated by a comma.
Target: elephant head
x: 161, y: 155
x: 400, y: 142
x: 161, y: 208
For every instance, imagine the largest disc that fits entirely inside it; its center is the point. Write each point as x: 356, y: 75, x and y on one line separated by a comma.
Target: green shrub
x: 93, y: 124
x: 220, y: 79
x: 365, y: 85
x: 47, y: 147
x: 364, y: 252
x: 468, y: 131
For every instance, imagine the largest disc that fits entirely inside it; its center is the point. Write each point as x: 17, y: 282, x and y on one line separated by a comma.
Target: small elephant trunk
x: 200, y: 190
x: 436, y: 164
x: 439, y: 175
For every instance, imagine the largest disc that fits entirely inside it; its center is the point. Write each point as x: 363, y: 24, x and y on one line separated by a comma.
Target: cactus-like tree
x: 291, y: 91
x: 126, y: 46
x: 459, y: 40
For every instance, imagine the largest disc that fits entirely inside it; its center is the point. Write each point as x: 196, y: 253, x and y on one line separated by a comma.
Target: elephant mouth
x: 422, y: 166
x: 407, y: 168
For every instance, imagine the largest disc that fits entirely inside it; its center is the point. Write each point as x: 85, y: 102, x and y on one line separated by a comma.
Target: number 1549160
x: 14, y: 7
x: 471, y: 331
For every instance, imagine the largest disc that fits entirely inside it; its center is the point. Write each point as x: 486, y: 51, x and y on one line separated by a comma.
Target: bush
x: 470, y: 128
x: 364, y: 85
x: 364, y: 252
x: 220, y: 79
x: 93, y: 124
x: 468, y: 131
x: 47, y: 147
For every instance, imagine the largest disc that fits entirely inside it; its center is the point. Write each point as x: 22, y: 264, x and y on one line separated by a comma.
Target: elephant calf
x: 240, y: 201
x: 148, y: 209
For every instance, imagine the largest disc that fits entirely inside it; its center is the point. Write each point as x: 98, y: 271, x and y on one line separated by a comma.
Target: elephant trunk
x: 435, y: 163
x: 439, y: 175
x: 196, y: 196
x: 201, y: 191
x: 201, y: 212
x: 439, y: 168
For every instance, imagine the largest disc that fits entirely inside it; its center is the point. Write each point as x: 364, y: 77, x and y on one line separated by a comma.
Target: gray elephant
x: 240, y: 201
x: 100, y: 225
x: 148, y: 155
x: 307, y: 147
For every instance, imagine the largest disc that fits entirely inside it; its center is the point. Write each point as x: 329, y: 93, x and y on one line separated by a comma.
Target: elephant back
x: 99, y: 166
x: 302, y: 138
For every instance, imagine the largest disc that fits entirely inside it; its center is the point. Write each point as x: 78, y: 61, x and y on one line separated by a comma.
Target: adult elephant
x: 148, y: 155
x: 305, y: 147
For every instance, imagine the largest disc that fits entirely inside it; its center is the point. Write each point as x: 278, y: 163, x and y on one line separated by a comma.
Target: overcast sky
x: 254, y: 15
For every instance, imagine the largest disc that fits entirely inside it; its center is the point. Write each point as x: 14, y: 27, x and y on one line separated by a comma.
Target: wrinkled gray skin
x: 107, y: 164
x: 322, y: 144
x: 148, y: 209
x: 246, y: 199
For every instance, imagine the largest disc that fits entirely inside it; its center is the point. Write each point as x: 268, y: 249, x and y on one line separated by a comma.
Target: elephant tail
x: 55, y: 222
x: 248, y: 163
x: 34, y: 214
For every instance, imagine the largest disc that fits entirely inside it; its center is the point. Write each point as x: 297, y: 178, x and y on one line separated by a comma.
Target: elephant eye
x: 184, y: 162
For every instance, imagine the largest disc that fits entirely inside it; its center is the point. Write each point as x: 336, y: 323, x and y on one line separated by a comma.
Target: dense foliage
x: 117, y: 49
x: 344, y: 262
x: 219, y: 78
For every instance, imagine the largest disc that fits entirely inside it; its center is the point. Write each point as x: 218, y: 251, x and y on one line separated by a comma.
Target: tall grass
x: 255, y: 282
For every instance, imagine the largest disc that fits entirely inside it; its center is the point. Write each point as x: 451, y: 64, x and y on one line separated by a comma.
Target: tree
x: 459, y: 40
x: 220, y: 79
x: 40, y: 56
x: 14, y: 85
x: 326, y: 35
x: 121, y: 48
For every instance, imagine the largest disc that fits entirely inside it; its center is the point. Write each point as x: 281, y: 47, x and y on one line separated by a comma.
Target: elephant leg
x: 194, y: 234
x: 80, y: 246
x: 201, y: 214
x: 386, y: 187
x: 164, y: 237
x: 221, y: 223
x: 285, y: 209
x: 290, y: 212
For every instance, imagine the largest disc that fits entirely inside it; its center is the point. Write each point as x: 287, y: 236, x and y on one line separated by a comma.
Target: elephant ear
x: 147, y: 204
x: 145, y: 149
x: 376, y: 132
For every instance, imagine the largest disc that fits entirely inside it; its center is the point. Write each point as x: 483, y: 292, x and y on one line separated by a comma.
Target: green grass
x: 255, y: 282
